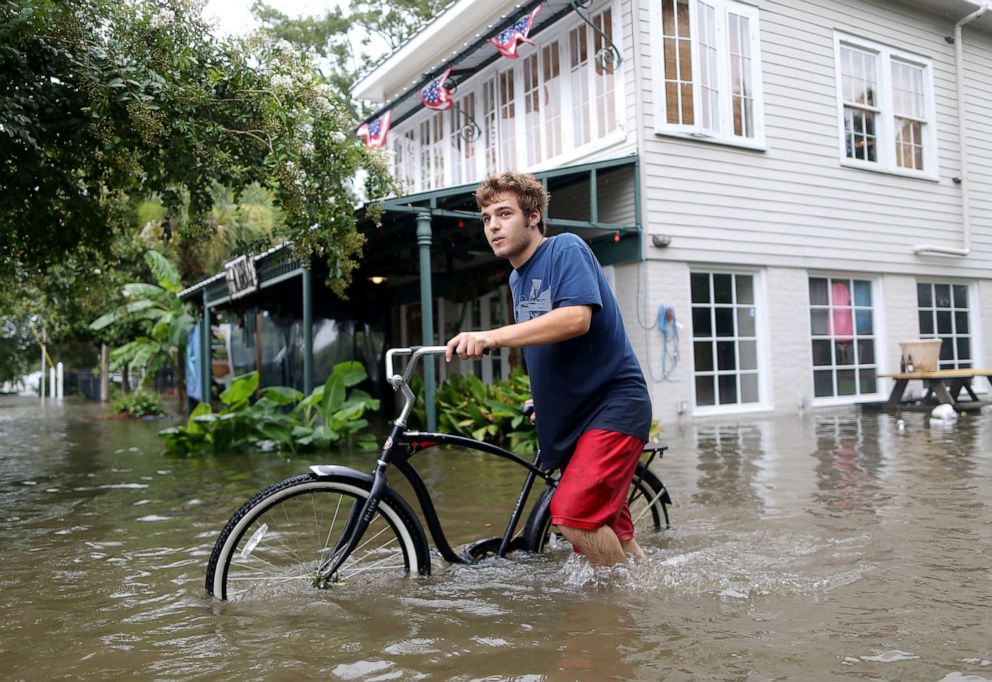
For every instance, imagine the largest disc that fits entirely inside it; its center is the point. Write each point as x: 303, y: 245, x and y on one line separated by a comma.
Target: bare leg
x: 631, y: 547
x: 601, y: 546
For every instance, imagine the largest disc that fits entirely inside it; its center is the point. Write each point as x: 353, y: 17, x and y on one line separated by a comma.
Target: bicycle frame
x: 399, y: 447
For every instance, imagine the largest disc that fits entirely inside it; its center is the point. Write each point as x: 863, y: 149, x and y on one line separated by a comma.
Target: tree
x: 103, y: 100
x: 378, y: 26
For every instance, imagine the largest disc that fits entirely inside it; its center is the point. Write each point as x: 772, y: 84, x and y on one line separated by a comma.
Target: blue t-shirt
x: 589, y: 382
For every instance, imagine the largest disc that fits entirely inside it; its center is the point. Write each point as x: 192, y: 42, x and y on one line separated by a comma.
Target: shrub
x: 282, y: 417
x: 138, y: 404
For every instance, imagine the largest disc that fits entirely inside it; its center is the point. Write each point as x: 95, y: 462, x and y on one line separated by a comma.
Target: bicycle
x: 335, y: 524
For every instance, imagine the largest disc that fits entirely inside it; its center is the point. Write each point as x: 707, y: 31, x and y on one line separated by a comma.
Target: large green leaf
x: 282, y: 395
x: 333, y: 397
x: 351, y: 373
x: 240, y: 390
x: 164, y: 271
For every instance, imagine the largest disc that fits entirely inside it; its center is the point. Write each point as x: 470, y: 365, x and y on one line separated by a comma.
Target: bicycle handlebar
x: 415, y: 353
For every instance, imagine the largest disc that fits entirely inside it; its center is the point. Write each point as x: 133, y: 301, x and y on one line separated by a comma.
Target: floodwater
x: 829, y: 545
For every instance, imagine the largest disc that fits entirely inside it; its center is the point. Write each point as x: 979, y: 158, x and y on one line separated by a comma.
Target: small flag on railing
x: 508, y: 41
x: 435, y: 96
x: 375, y: 132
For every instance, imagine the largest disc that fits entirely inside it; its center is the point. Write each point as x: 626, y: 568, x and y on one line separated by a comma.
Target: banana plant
x: 165, y: 321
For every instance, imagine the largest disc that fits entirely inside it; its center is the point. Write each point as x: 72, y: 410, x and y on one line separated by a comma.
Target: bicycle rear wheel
x: 648, y: 500
x: 274, y: 544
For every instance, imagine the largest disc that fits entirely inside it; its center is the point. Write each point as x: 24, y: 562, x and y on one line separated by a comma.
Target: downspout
x: 962, y: 144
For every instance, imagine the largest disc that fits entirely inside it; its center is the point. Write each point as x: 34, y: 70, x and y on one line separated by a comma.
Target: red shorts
x: 593, y: 489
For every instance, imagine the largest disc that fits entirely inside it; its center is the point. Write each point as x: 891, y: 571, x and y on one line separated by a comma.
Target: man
x: 589, y: 392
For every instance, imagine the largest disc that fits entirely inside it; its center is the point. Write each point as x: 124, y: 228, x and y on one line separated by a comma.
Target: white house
x: 803, y: 183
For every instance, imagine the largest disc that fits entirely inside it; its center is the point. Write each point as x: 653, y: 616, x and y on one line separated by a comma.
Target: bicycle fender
x: 326, y: 470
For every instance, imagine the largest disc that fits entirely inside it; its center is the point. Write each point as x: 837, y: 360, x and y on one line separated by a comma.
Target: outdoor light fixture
x: 378, y: 279
x: 661, y: 240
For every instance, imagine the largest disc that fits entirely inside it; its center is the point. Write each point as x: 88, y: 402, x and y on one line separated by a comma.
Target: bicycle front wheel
x: 648, y: 500
x: 275, y: 544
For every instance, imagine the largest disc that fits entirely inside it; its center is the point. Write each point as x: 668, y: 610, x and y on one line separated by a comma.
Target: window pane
x: 745, y: 322
x: 964, y: 348
x: 843, y: 353
x: 846, y: 382
x: 701, y: 324
x: 866, y: 352
x: 728, y: 389
x: 749, y: 388
x: 748, y: 354
x: 942, y: 295
x: 823, y: 383
x: 705, y: 393
x: 864, y: 322
x: 724, y: 321
x: 700, y: 284
x: 725, y: 355
x: 867, y: 377
x: 723, y: 289
x: 702, y: 352
x: 924, y: 295
x: 960, y: 296
x: 862, y: 293
x: 821, y: 353
x: 960, y: 322
x: 818, y: 291
x: 926, y: 323
x: 943, y: 321
x: 819, y: 322
x: 947, y: 348
x: 745, y: 289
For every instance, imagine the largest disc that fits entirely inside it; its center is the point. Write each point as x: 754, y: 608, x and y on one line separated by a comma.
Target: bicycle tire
x: 648, y: 499
x: 274, y: 543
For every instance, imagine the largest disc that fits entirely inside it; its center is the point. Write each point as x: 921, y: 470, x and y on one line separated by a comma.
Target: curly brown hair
x: 530, y: 193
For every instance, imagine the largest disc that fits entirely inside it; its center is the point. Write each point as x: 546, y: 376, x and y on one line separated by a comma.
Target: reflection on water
x: 830, y: 545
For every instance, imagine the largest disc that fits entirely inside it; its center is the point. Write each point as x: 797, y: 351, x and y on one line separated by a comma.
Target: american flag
x: 375, y: 132
x: 435, y: 96
x: 508, y: 41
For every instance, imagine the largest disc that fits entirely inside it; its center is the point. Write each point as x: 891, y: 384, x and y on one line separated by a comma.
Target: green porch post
x: 307, y: 332
x: 205, y: 367
x: 427, y: 313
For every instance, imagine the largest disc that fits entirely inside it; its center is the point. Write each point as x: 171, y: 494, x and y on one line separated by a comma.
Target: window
x: 551, y: 99
x: 578, y: 66
x: 405, y: 161
x: 463, y: 135
x: 708, y: 58
x: 532, y: 108
x: 490, y: 134
x: 843, y: 337
x: 943, y: 310
x: 507, y: 120
x: 604, y: 80
x: 724, y: 338
x: 887, y: 109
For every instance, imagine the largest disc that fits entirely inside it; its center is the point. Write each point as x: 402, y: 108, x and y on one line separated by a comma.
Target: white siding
x: 793, y: 204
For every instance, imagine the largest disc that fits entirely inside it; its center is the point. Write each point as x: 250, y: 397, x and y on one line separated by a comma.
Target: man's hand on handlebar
x: 529, y: 411
x: 470, y: 345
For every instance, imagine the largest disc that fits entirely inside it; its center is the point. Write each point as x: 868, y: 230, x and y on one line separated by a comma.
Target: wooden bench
x: 943, y: 386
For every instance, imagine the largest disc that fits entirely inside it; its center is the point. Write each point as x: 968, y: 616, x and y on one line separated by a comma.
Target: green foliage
x: 138, y: 404
x: 489, y: 412
x: 164, y: 322
x: 282, y: 418
x: 105, y: 100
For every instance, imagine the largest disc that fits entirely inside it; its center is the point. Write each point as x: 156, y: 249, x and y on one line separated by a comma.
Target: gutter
x: 929, y: 249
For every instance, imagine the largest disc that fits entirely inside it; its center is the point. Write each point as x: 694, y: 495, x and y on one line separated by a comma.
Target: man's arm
x: 556, y: 325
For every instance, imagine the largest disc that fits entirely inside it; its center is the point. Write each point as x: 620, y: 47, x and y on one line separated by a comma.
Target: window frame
x: 760, y: 338
x: 971, y: 293
x: 696, y: 131
x: 878, y: 337
x: 885, y: 130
